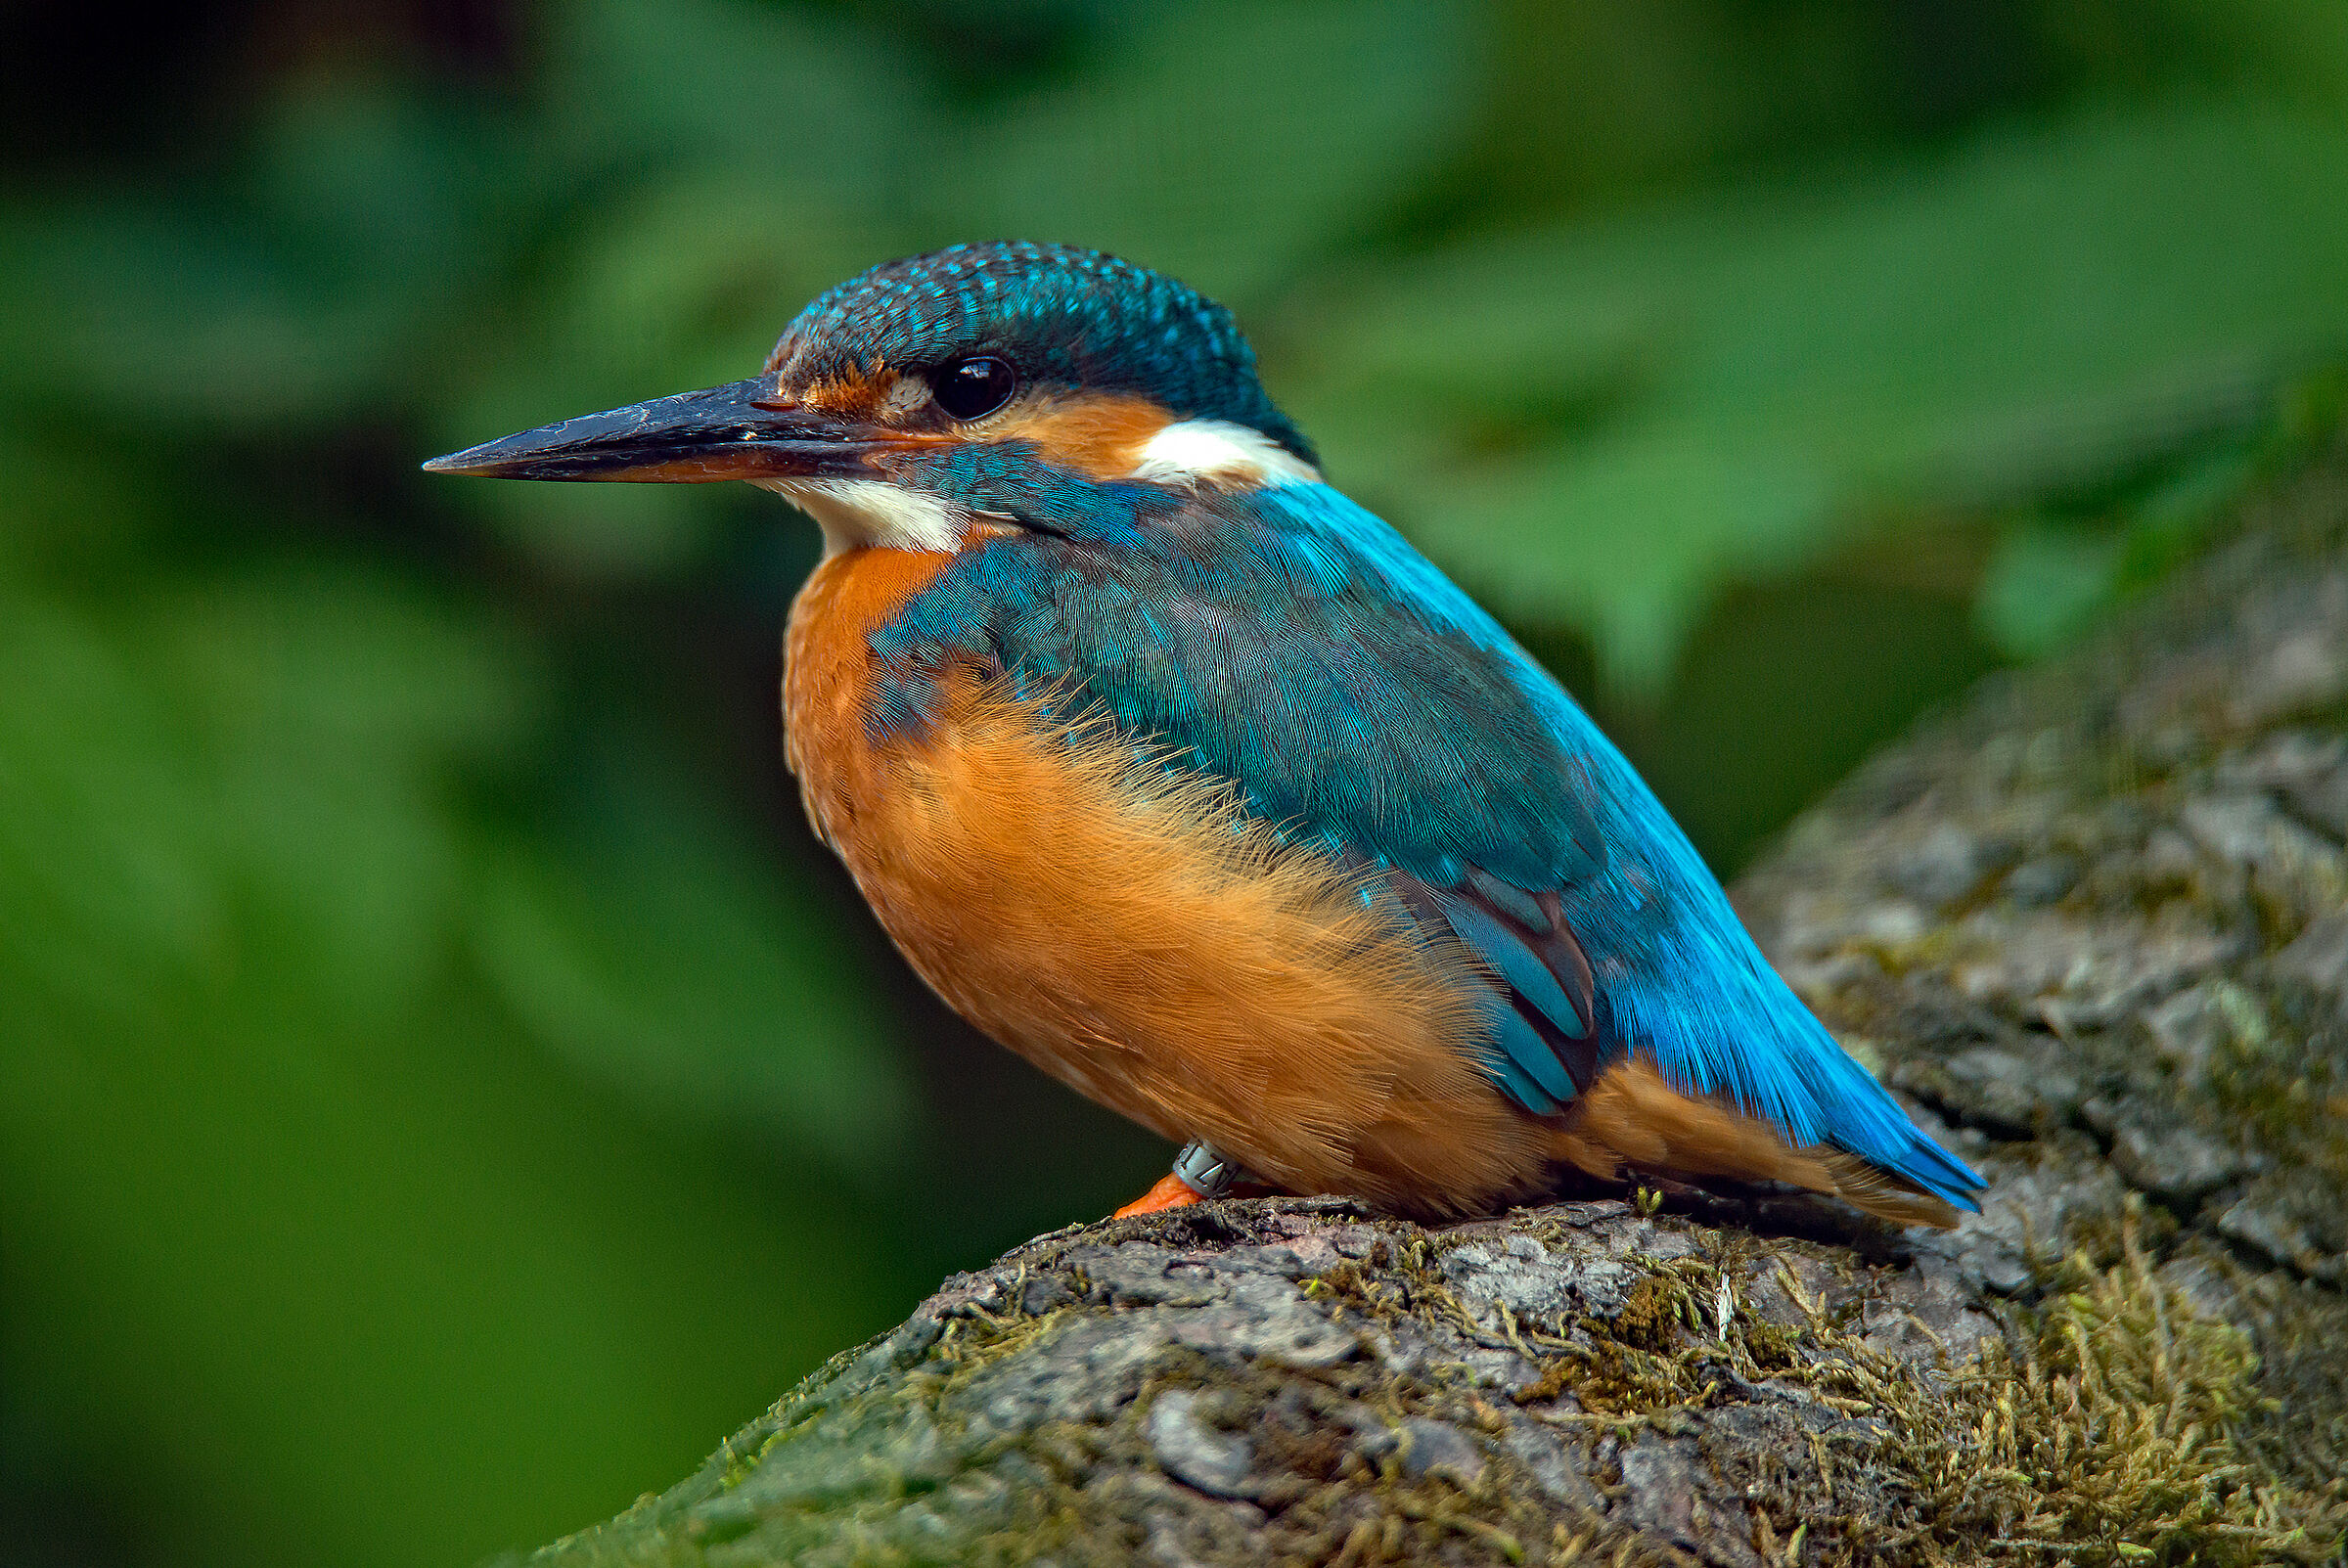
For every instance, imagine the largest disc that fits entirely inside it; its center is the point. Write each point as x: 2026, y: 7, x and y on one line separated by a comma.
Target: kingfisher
x: 1189, y: 779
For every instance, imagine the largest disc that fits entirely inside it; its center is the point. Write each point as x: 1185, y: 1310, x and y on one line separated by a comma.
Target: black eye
x: 976, y: 388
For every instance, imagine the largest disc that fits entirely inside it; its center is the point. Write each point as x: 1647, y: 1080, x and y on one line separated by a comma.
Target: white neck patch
x: 875, y: 512
x: 1197, y: 452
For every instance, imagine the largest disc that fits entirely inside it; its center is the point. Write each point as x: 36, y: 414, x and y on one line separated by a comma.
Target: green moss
x: 2104, y: 1428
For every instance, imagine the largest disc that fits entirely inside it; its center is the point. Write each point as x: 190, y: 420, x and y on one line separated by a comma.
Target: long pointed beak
x: 736, y: 431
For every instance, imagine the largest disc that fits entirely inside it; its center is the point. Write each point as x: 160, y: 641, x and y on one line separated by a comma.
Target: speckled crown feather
x: 1058, y: 314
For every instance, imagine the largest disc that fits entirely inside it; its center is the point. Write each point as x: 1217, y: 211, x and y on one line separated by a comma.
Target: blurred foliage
x: 439, y: 1082
x: 1754, y: 373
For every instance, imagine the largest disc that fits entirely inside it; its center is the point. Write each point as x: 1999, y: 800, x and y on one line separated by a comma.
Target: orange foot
x: 1171, y: 1193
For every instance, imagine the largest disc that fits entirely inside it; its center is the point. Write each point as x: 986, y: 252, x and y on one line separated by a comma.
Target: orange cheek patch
x: 1100, y: 434
x: 860, y: 396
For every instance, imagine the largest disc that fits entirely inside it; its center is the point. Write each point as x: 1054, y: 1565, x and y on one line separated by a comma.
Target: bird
x: 1185, y: 776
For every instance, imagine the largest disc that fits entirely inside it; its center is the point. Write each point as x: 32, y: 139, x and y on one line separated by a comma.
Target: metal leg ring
x: 1205, y: 1172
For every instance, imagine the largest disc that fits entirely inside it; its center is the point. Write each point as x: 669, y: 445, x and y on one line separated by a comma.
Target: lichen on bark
x: 2094, y: 924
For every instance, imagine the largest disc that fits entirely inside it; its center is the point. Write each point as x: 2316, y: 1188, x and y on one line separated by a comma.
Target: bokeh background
x: 442, y: 1088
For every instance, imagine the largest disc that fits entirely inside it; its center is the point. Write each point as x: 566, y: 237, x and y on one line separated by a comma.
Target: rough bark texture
x: 2094, y: 925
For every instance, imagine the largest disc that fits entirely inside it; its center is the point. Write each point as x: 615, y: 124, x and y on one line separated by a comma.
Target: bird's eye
x: 973, y: 389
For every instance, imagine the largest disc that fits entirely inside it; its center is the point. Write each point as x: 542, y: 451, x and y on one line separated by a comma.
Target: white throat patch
x: 874, y: 511
x: 1218, y: 452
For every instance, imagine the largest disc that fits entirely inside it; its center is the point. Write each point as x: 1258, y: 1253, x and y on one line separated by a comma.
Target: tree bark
x: 2094, y: 925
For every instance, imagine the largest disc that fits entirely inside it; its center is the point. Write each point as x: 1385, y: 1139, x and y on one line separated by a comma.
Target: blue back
x: 1290, y: 642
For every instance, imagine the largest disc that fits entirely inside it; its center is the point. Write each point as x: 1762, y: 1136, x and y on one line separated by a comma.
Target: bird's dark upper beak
x: 738, y: 431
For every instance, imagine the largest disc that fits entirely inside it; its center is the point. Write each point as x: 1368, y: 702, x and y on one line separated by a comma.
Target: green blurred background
x: 442, y: 1088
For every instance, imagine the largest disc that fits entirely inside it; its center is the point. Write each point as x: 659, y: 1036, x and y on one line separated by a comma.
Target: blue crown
x: 1058, y: 314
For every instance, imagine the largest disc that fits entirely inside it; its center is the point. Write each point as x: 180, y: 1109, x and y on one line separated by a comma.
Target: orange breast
x: 1133, y: 935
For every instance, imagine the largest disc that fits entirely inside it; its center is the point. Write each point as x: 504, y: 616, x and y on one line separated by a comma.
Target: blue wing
x: 1292, y: 642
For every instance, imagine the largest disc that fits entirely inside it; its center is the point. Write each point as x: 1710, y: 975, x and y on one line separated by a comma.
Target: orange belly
x: 1133, y: 936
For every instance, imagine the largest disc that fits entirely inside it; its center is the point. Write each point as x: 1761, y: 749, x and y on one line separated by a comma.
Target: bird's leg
x: 1170, y: 1192
x: 1198, y: 1173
